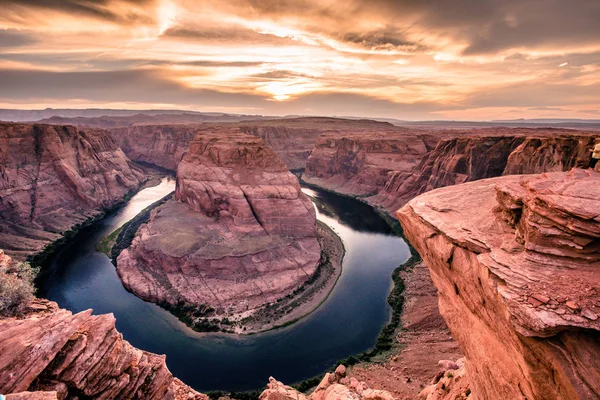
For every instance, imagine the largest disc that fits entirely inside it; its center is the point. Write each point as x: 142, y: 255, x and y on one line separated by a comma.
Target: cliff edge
x: 516, y: 261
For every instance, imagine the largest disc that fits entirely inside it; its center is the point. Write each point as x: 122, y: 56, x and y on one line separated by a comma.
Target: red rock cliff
x: 53, y: 177
x: 240, y: 233
x: 516, y: 262
x: 162, y: 145
x: 359, y: 163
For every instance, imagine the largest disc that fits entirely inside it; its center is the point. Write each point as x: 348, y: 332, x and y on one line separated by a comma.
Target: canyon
x: 386, y: 170
x: 517, y: 279
x: 515, y: 275
x: 241, y: 234
x: 53, y: 178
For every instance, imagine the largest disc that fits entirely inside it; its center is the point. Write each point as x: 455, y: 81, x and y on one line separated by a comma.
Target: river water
x: 79, y: 278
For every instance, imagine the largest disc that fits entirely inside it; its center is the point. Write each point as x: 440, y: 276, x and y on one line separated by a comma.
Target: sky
x: 405, y: 59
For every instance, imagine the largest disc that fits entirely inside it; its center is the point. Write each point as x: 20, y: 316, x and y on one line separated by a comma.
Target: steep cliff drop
x: 518, y: 277
x: 55, y: 177
x: 239, y: 236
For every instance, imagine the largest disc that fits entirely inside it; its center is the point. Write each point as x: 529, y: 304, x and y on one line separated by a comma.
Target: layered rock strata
x: 161, y: 145
x: 518, y: 276
x: 55, y: 177
x: 49, y: 353
x: 240, y: 233
x: 387, y: 169
x: 359, y: 163
x: 79, y: 356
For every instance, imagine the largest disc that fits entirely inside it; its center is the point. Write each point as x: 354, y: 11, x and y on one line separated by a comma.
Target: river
x: 79, y: 278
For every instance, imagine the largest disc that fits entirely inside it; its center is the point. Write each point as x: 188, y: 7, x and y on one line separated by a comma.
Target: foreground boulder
x: 515, y: 260
x: 55, y: 177
x: 334, y: 386
x: 240, y: 233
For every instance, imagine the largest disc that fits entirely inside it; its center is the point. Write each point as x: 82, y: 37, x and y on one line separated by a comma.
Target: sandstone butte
x: 55, y: 177
x: 52, y: 354
x: 388, y: 168
x: 238, y: 235
x: 515, y: 260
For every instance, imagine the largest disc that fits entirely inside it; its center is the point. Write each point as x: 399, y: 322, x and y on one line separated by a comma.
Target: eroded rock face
x: 239, y: 234
x: 162, y: 145
x: 292, y: 144
x: 518, y: 276
x: 388, y: 169
x: 360, y: 163
x: 53, y: 354
x: 488, y: 153
x: 54, y: 177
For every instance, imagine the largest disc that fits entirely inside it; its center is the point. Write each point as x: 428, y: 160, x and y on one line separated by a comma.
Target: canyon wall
x: 359, y: 163
x: 161, y: 145
x: 239, y: 234
x: 515, y: 260
x: 292, y: 144
x: 55, y: 177
x: 389, y: 169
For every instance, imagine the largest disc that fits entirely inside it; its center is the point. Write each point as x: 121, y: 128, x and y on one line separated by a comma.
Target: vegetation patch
x: 16, y: 288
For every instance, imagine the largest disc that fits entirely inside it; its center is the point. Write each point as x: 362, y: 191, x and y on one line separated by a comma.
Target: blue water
x: 79, y: 278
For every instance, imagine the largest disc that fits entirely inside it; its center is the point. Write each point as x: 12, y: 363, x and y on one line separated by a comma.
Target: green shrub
x: 16, y: 288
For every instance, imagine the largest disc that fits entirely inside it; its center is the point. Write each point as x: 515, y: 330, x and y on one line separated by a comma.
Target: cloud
x: 546, y: 109
x: 15, y: 38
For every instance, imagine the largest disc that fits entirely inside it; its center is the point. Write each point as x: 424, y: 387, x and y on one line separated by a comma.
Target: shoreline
x: 287, y: 310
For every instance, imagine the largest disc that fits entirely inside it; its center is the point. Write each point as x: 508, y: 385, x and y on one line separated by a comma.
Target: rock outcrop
x: 240, y: 233
x: 359, y: 163
x: 81, y: 355
x: 49, y: 353
x: 55, y: 177
x: 161, y: 145
x: 334, y: 386
x: 292, y: 144
x: 387, y: 169
x: 518, y: 277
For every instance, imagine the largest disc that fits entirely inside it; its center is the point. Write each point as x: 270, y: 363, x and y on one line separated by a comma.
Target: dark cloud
x: 382, y: 40
x: 226, y: 34
x: 92, y: 8
x: 15, y: 38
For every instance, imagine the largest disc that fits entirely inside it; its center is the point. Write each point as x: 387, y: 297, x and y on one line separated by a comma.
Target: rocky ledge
x: 334, y: 386
x: 55, y: 177
x: 79, y: 356
x: 516, y: 261
x: 239, y: 235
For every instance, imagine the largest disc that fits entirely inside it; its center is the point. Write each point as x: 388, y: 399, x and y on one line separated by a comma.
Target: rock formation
x: 58, y: 355
x: 54, y: 177
x: 239, y: 234
x: 515, y: 260
x: 161, y: 145
x: 334, y: 386
x: 292, y: 144
x: 387, y: 169
x: 359, y: 163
